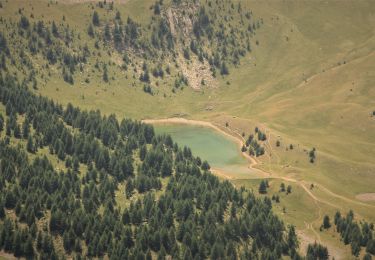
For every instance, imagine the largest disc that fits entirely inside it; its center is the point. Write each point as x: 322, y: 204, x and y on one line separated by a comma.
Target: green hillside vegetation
x: 301, y: 73
x: 49, y: 213
x: 110, y: 45
x: 341, y: 237
x: 262, y: 88
x: 357, y: 235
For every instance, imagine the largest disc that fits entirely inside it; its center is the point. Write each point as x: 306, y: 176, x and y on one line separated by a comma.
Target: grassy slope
x: 307, y: 221
x: 322, y: 112
x: 294, y: 88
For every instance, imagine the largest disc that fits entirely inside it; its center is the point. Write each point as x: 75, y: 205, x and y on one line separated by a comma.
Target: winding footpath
x: 253, y: 163
x: 237, y: 137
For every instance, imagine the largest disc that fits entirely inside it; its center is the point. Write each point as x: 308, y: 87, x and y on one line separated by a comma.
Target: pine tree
x: 39, y: 241
x: 367, y: 256
x: 370, y: 247
x: 67, y: 242
x: 10, y: 200
x: 231, y: 252
x: 282, y: 187
x: 95, y: 19
x: 129, y: 188
x: 118, y: 16
x: 317, y: 251
x: 205, y: 166
x: 224, y: 69
x: 8, y: 130
x: 142, y: 152
x: 75, y: 164
x: 356, y: 248
x: 127, y: 239
x: 28, y: 248
x: 2, y: 211
x: 105, y: 74
x: 1, y: 123
x: 61, y: 153
x: 30, y: 145
x: 292, y: 240
x: 17, y: 244
x: 17, y: 131
x: 262, y: 187
x: 161, y: 255
x: 90, y: 31
x: 289, y: 189
x: 107, y: 33
x: 166, y: 168
x: 54, y: 29
x: 217, y: 251
x: 187, y: 254
x: 77, y: 246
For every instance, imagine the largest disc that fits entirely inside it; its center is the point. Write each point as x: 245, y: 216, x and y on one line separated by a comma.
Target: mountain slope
x: 170, y: 204
x: 305, y: 78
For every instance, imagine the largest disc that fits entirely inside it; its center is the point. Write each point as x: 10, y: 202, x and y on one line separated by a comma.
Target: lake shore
x: 238, y: 139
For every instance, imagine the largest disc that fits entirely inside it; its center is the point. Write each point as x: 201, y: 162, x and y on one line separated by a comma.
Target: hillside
x: 175, y: 43
x: 300, y: 71
x: 75, y: 183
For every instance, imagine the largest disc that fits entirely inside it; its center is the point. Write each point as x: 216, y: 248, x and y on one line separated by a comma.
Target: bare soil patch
x: 4, y: 255
x: 366, y: 196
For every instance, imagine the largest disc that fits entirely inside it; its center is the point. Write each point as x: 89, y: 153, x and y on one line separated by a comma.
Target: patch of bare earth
x: 198, y: 73
x: 4, y: 255
x: 306, y: 239
x: 366, y: 196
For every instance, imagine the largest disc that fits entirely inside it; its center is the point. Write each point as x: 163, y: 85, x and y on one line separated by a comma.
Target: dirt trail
x: 366, y: 196
x: 345, y: 198
x: 220, y: 173
x: 264, y: 174
x: 332, y: 68
x: 236, y: 137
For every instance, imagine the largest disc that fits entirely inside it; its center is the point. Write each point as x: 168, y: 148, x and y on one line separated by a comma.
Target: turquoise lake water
x: 219, y: 150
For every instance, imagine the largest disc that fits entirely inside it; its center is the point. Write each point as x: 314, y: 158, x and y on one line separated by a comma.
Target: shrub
x: 326, y: 222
